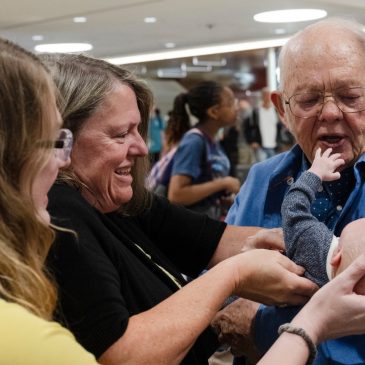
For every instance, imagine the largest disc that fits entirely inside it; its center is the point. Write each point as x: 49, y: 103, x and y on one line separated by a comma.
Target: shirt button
x: 339, y: 208
x: 290, y: 180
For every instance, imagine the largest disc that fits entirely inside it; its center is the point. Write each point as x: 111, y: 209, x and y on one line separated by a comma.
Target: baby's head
x: 351, y: 246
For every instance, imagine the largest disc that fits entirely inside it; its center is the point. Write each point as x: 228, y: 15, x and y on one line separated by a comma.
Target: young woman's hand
x: 335, y: 310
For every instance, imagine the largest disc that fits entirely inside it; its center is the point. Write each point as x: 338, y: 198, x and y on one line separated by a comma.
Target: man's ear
x: 277, y: 100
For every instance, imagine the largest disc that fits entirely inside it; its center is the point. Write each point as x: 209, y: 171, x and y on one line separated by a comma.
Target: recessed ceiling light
x: 171, y: 73
x: 63, y: 47
x: 193, y: 68
x: 216, y: 63
x: 290, y: 15
x: 150, y: 19
x: 170, y: 45
x: 37, y: 37
x: 80, y: 19
x: 280, y: 31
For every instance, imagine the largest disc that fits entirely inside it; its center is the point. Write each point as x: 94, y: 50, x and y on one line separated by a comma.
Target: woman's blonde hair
x: 26, y: 100
x: 83, y: 83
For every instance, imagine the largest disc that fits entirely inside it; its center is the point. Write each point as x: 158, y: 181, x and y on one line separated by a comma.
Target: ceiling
x: 117, y: 28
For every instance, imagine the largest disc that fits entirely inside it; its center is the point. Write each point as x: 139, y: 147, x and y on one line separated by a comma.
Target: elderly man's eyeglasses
x: 62, y: 145
x: 310, y: 104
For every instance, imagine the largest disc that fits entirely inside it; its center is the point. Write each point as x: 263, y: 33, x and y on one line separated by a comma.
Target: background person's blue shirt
x: 190, y: 156
x: 155, y: 128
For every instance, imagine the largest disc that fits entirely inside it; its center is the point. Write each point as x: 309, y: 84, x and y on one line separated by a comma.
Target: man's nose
x: 330, y: 110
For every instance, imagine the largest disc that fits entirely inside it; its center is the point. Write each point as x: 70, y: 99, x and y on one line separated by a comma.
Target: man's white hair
x: 329, y: 24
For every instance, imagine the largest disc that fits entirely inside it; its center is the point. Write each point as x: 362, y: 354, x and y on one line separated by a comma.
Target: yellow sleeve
x: 26, y: 339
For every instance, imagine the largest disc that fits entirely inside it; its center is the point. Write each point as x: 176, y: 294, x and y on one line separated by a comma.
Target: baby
x: 309, y: 242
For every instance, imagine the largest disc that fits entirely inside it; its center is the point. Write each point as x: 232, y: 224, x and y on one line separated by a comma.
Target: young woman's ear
x: 213, y: 112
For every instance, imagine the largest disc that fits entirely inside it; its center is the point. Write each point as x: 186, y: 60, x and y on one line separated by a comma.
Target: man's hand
x: 233, y: 324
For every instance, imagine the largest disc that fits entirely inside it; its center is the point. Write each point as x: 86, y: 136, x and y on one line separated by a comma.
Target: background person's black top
x: 104, y: 278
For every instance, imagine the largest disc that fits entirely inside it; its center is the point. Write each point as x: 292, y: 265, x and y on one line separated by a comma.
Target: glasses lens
x: 350, y: 100
x: 306, y: 104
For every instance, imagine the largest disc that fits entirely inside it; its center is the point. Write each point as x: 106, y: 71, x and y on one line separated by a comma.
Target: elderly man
x: 321, y: 100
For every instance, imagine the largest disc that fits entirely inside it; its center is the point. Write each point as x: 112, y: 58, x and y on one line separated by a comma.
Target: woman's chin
x: 125, y: 196
x: 118, y: 201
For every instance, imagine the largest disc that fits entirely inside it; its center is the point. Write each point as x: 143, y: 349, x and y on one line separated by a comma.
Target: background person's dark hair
x: 199, y: 99
x: 178, y: 122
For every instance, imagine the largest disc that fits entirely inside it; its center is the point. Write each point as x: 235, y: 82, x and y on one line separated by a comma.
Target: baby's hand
x: 325, y: 166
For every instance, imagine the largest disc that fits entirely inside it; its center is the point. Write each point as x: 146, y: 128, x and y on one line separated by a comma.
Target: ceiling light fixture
x: 171, y: 73
x: 79, y: 19
x: 150, y: 19
x: 280, y: 31
x: 63, y: 47
x: 199, y: 51
x: 219, y: 63
x: 170, y: 45
x: 186, y: 68
x: 37, y: 37
x: 289, y: 15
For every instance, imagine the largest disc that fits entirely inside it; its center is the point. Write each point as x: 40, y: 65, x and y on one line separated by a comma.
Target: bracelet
x: 287, y: 327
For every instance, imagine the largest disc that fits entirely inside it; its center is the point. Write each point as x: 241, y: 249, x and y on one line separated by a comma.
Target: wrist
x: 223, y: 183
x: 315, y: 172
x: 228, y: 275
x: 308, y: 323
x: 306, y: 338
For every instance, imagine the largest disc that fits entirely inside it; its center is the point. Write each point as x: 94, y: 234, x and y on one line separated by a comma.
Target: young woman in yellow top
x: 32, y: 149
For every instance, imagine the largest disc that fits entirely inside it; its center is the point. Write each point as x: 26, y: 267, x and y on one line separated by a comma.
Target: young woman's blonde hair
x: 84, y: 83
x: 26, y: 114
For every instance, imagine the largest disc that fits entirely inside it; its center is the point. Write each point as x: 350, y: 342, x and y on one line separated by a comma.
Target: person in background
x: 321, y: 101
x: 261, y: 128
x: 121, y: 289
x: 200, y: 174
x: 33, y: 148
x: 177, y: 125
x: 229, y: 143
x: 158, y: 178
x: 155, y: 135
